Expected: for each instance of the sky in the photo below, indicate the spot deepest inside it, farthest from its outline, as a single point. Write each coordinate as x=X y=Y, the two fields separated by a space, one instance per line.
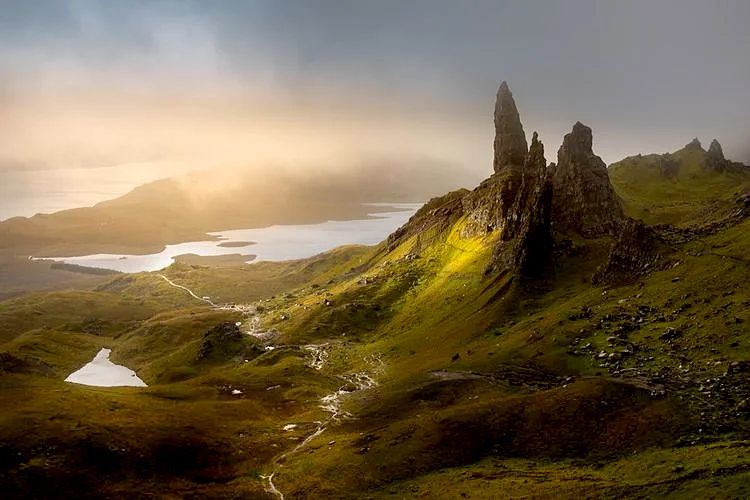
x=164 y=86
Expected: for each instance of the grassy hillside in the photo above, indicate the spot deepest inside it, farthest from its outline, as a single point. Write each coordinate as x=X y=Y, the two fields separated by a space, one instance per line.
x=402 y=369
x=676 y=188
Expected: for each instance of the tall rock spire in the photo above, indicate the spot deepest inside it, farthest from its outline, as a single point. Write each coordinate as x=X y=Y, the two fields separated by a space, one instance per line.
x=510 y=140
x=584 y=200
x=714 y=159
x=526 y=243
x=715 y=151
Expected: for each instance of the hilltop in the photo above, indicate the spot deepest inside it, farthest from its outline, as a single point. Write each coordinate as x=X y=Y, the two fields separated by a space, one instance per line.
x=185 y=208
x=563 y=329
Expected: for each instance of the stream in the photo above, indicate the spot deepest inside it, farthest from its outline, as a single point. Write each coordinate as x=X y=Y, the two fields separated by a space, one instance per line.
x=332 y=404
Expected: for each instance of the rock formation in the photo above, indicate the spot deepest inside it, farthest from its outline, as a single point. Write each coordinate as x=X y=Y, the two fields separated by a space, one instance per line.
x=526 y=242
x=715 y=150
x=510 y=141
x=694 y=145
x=525 y=202
x=583 y=199
x=633 y=254
x=714 y=159
x=487 y=206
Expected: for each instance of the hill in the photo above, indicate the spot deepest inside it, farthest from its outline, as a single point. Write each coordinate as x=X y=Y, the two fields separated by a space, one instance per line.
x=185 y=208
x=528 y=337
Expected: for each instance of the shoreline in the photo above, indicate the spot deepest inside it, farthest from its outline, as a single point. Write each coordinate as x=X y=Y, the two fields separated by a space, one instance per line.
x=71 y=249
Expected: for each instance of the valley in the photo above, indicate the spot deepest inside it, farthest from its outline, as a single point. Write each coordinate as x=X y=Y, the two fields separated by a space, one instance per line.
x=563 y=329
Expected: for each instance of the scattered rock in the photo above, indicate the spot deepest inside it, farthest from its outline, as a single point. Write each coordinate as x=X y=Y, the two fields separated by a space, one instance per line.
x=738 y=367
x=670 y=334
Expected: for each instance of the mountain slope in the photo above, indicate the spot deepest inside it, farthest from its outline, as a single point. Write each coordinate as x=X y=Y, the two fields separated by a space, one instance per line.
x=687 y=187
x=469 y=354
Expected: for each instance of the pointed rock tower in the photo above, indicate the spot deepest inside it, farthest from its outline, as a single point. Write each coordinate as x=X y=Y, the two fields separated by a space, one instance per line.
x=584 y=200
x=510 y=140
x=488 y=206
x=714 y=159
x=694 y=145
x=526 y=243
x=715 y=150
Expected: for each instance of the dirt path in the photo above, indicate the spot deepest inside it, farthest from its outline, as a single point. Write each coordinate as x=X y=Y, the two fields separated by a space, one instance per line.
x=207 y=300
x=332 y=403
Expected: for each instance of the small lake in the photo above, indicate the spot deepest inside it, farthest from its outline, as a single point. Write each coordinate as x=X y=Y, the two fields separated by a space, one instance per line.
x=273 y=243
x=101 y=372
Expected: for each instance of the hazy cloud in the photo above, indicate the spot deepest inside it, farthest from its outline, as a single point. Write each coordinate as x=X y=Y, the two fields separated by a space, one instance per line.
x=191 y=79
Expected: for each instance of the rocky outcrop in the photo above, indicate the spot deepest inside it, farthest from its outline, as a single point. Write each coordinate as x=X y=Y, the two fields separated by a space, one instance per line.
x=510 y=140
x=715 y=151
x=714 y=159
x=633 y=254
x=225 y=341
x=583 y=199
x=694 y=145
x=525 y=203
x=526 y=241
x=488 y=205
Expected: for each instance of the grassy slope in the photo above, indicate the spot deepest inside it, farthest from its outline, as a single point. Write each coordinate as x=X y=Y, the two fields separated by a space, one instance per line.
x=521 y=404
x=689 y=194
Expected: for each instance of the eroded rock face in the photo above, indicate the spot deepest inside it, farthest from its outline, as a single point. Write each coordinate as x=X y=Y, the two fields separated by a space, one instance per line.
x=633 y=255
x=694 y=145
x=715 y=150
x=488 y=205
x=510 y=140
x=583 y=200
x=524 y=202
x=526 y=242
x=714 y=159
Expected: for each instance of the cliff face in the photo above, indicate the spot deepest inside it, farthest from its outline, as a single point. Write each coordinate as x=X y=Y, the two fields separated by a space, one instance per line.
x=583 y=200
x=524 y=201
x=526 y=242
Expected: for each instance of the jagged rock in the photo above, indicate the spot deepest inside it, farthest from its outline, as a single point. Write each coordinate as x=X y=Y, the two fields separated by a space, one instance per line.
x=583 y=200
x=487 y=206
x=633 y=254
x=526 y=241
x=510 y=140
x=694 y=145
x=715 y=150
x=715 y=161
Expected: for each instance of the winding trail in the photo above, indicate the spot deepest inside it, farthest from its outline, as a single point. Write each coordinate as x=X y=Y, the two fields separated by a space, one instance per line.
x=330 y=403
x=207 y=300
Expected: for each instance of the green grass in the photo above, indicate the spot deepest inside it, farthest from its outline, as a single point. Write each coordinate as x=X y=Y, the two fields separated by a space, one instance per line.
x=690 y=194
x=531 y=409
